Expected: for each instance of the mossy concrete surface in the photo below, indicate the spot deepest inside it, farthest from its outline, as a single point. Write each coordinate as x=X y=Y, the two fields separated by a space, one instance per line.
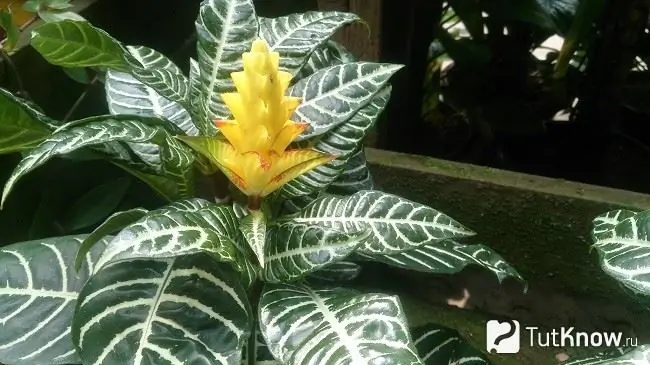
x=540 y=225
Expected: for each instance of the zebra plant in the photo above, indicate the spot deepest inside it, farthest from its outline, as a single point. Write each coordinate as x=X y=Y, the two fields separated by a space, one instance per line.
x=621 y=239
x=264 y=278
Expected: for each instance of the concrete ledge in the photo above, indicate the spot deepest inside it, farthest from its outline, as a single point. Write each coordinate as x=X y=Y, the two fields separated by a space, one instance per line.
x=540 y=225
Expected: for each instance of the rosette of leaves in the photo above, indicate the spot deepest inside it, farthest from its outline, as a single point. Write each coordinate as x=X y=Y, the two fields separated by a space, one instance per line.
x=621 y=239
x=200 y=282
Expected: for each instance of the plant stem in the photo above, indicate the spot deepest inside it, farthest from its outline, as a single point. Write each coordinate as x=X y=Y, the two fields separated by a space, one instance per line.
x=81 y=97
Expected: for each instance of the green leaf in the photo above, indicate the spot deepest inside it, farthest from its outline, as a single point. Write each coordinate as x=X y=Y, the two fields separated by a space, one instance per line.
x=296 y=36
x=112 y=224
x=329 y=54
x=11 y=30
x=38 y=294
x=126 y=95
x=441 y=345
x=96 y=204
x=22 y=127
x=67 y=140
x=253 y=226
x=171 y=233
x=341 y=141
x=337 y=271
x=296 y=250
x=625 y=356
x=355 y=177
x=72 y=43
x=449 y=257
x=165 y=187
x=78 y=74
x=333 y=95
x=158 y=72
x=622 y=241
x=175 y=311
x=50 y=16
x=397 y=224
x=225 y=29
x=304 y=326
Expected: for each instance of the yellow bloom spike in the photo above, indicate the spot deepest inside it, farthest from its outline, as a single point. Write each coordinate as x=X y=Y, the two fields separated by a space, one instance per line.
x=254 y=153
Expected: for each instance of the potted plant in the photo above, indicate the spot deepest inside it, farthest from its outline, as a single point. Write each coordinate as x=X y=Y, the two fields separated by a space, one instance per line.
x=261 y=276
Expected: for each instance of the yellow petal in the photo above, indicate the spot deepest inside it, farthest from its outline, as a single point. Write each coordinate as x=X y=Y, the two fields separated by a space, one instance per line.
x=291 y=103
x=260 y=45
x=289 y=132
x=233 y=133
x=292 y=164
x=221 y=154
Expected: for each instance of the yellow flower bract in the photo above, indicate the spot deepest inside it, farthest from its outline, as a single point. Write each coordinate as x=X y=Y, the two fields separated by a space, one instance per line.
x=254 y=153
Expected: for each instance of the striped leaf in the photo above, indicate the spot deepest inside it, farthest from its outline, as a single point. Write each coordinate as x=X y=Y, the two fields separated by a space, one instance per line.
x=74 y=138
x=626 y=356
x=355 y=177
x=337 y=271
x=126 y=95
x=304 y=326
x=605 y=223
x=225 y=29
x=187 y=205
x=196 y=100
x=328 y=54
x=178 y=162
x=333 y=95
x=341 y=141
x=397 y=224
x=38 y=293
x=448 y=257
x=296 y=250
x=158 y=72
x=296 y=36
x=441 y=345
x=171 y=233
x=74 y=43
x=22 y=126
x=622 y=240
x=262 y=354
x=253 y=226
x=174 y=311
x=112 y=224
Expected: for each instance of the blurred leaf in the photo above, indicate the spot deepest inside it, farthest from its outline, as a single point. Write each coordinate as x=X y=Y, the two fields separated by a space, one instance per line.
x=10 y=28
x=587 y=13
x=57 y=4
x=525 y=11
x=469 y=12
x=97 y=204
x=32 y=6
x=467 y=53
x=562 y=12
x=43 y=224
x=51 y=16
